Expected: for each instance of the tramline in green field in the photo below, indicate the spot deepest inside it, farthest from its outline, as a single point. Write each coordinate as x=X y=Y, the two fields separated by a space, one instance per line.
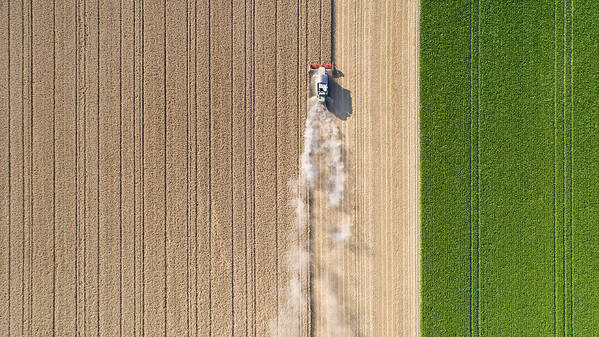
x=509 y=168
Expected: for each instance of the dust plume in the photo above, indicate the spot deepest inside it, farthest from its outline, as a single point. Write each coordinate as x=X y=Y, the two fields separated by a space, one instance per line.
x=322 y=172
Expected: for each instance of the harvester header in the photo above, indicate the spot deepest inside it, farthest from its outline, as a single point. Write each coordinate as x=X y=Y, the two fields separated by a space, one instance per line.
x=318 y=65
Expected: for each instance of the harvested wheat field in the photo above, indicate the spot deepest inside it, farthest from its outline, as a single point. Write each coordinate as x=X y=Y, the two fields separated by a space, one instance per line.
x=152 y=158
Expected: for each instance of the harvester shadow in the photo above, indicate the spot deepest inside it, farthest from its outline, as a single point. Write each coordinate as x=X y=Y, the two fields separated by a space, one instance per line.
x=340 y=102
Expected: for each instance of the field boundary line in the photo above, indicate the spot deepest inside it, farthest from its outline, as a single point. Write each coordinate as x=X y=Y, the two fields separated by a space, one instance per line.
x=9 y=194
x=276 y=175
x=474 y=167
x=245 y=158
x=231 y=148
x=253 y=165
x=571 y=166
x=31 y=157
x=121 y=33
x=209 y=168
x=9 y=185
x=23 y=169
x=98 y=265
x=554 y=172
x=470 y=165
x=564 y=159
x=53 y=165
x=187 y=170
x=165 y=173
x=478 y=168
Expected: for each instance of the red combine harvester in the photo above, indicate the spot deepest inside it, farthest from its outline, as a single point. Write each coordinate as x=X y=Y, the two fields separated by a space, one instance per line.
x=320 y=80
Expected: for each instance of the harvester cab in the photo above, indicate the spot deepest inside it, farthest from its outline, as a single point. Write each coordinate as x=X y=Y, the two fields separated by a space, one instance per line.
x=320 y=74
x=323 y=88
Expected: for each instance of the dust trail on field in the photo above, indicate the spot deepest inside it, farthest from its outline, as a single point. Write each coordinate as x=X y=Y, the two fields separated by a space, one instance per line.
x=321 y=165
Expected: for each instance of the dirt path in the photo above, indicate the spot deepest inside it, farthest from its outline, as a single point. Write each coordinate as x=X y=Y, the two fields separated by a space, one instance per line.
x=146 y=150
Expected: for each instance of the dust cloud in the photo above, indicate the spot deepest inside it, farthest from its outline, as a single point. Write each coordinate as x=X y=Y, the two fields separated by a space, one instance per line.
x=322 y=172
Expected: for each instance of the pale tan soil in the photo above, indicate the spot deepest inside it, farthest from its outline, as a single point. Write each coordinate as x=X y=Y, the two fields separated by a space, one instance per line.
x=145 y=152
x=376 y=47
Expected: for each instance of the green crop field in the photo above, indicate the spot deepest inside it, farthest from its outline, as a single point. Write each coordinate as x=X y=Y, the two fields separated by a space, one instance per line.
x=509 y=114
